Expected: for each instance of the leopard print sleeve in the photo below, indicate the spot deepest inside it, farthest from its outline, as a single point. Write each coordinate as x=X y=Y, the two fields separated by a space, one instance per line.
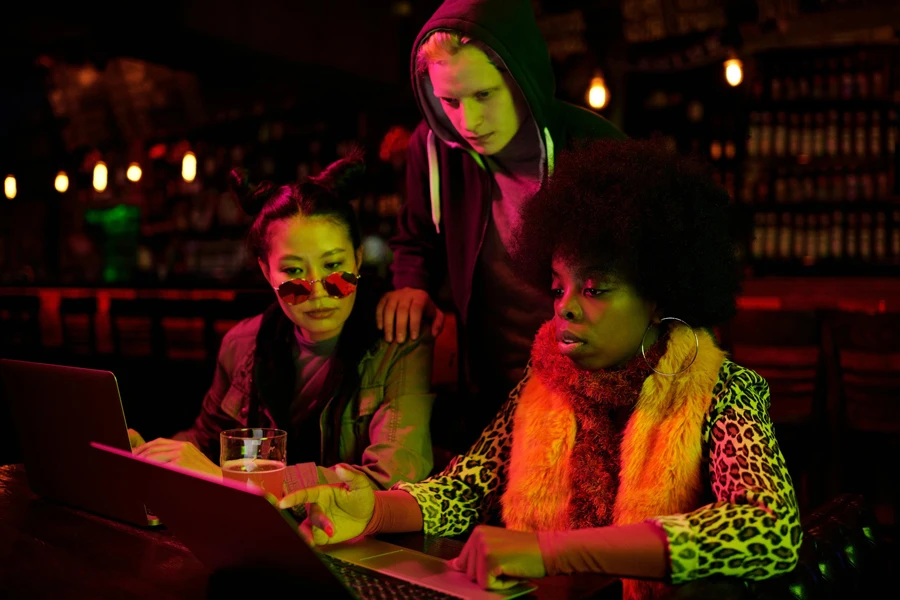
x=753 y=528
x=467 y=492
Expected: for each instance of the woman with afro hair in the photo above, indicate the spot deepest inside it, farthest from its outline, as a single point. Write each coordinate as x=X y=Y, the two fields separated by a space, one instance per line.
x=632 y=446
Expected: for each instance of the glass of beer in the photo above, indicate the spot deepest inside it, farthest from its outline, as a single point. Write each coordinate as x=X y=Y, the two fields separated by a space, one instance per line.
x=256 y=456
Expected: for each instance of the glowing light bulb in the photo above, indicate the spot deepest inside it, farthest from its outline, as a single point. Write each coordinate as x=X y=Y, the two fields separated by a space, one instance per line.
x=598 y=94
x=134 y=172
x=734 y=72
x=101 y=176
x=9 y=186
x=189 y=167
x=61 y=183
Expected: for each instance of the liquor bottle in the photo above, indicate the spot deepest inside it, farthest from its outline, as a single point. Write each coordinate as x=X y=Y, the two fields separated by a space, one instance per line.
x=875 y=135
x=818 y=79
x=867 y=186
x=891 y=142
x=847 y=91
x=780 y=134
x=756 y=90
x=838 y=186
x=753 y=132
x=851 y=190
x=771 y=245
x=851 y=244
x=837 y=235
x=847 y=135
x=806 y=136
x=882 y=186
x=784 y=237
x=795 y=188
x=878 y=91
x=765 y=135
x=794 y=135
x=757 y=246
x=824 y=246
x=831 y=135
x=833 y=82
x=715 y=150
x=781 y=189
x=859 y=135
x=763 y=190
x=799 y=234
x=730 y=150
x=811 y=253
x=748 y=188
x=819 y=136
x=895 y=237
x=729 y=184
x=790 y=85
x=823 y=187
x=775 y=91
x=809 y=189
x=865 y=236
x=803 y=88
x=862 y=76
x=880 y=246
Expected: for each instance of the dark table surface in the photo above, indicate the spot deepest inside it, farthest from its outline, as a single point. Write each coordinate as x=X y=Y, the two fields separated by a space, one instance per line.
x=48 y=550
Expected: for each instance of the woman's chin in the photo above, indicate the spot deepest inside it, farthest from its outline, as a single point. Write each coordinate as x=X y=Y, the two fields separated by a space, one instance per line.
x=319 y=329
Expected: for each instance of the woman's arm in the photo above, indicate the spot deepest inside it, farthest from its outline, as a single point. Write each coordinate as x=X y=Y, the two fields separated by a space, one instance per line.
x=460 y=497
x=751 y=531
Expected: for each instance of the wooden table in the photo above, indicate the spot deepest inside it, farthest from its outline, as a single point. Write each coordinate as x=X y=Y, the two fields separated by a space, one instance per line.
x=52 y=551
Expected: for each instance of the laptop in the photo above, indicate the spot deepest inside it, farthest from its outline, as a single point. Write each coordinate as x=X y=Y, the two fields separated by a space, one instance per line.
x=229 y=526
x=57 y=412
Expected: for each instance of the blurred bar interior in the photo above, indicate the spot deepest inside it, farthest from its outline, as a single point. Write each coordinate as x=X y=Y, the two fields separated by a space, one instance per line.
x=120 y=248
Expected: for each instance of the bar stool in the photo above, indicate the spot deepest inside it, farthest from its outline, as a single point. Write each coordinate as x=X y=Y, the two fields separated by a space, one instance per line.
x=20 y=328
x=78 y=319
x=866 y=353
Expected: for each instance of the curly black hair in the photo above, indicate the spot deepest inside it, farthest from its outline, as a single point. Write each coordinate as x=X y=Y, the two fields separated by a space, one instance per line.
x=644 y=213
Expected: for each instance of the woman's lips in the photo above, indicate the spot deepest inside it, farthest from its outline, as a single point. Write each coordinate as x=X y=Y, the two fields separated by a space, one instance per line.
x=569 y=343
x=322 y=313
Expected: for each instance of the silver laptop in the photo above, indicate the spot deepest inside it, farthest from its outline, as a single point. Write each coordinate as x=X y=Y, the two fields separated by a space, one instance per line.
x=229 y=526
x=57 y=412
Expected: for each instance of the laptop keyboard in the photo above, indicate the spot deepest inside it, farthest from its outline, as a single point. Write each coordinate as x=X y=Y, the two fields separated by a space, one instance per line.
x=371 y=585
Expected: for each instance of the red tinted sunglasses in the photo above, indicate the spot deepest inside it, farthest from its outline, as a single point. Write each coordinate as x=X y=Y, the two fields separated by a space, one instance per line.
x=337 y=285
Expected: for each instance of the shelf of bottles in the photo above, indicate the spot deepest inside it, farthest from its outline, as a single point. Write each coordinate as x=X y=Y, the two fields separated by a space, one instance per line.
x=155 y=227
x=820 y=162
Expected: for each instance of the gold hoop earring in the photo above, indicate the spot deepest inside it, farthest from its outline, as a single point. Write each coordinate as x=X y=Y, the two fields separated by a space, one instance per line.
x=696 y=346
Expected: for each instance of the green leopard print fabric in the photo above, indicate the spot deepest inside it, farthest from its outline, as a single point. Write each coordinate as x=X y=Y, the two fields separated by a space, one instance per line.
x=750 y=528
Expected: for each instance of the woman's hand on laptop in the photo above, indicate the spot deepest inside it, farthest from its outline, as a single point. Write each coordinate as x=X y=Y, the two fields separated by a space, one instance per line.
x=183 y=454
x=497 y=558
x=335 y=512
x=135 y=439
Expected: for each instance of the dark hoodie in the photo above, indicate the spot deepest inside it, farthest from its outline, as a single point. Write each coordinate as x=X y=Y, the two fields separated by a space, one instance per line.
x=451 y=188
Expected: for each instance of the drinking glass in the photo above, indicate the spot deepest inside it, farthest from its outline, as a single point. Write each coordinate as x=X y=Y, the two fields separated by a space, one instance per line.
x=256 y=456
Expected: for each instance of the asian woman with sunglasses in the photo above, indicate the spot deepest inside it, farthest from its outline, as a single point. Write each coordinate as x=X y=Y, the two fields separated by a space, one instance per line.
x=314 y=364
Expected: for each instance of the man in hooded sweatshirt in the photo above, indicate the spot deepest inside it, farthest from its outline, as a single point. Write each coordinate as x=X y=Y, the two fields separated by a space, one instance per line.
x=492 y=125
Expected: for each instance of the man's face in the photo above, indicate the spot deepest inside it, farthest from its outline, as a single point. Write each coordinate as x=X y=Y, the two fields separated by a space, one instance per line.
x=477 y=99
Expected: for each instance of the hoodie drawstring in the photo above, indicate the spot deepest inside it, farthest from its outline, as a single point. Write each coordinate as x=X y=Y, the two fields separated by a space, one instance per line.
x=548 y=144
x=434 y=172
x=434 y=181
